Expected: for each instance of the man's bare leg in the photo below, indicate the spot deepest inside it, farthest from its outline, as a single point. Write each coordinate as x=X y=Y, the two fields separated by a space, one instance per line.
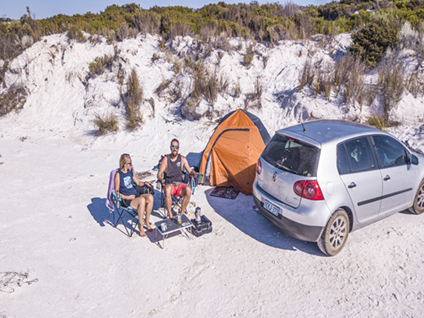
x=168 y=199
x=186 y=195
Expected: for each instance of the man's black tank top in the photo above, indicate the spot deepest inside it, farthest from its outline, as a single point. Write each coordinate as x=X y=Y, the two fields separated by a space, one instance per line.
x=175 y=171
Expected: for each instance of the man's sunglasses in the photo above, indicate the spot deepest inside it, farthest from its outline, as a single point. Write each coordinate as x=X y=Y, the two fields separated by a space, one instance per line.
x=174 y=147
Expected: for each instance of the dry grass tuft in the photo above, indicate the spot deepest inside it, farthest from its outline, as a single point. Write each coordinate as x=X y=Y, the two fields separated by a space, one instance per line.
x=133 y=99
x=378 y=121
x=107 y=124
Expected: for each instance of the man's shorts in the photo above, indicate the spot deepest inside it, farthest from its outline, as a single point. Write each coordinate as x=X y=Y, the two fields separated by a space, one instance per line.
x=176 y=190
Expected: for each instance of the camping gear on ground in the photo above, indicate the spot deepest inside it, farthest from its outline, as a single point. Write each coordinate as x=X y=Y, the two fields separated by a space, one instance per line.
x=202 y=227
x=145 y=189
x=225 y=192
x=198 y=214
x=169 y=226
x=230 y=156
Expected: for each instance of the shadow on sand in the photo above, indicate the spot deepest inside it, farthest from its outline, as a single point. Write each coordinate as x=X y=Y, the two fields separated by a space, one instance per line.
x=240 y=213
x=102 y=216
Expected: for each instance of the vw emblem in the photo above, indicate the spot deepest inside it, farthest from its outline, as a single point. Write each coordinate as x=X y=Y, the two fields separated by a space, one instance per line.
x=274 y=176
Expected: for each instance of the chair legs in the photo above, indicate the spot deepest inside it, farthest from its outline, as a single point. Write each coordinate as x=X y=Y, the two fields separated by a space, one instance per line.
x=120 y=219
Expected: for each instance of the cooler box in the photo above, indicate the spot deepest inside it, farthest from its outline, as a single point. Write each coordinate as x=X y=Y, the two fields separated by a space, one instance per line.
x=202 y=227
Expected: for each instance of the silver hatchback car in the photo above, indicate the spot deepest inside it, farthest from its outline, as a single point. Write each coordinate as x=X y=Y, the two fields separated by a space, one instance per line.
x=320 y=180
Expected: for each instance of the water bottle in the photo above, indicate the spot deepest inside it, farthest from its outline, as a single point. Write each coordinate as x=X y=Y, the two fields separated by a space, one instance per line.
x=118 y=202
x=198 y=214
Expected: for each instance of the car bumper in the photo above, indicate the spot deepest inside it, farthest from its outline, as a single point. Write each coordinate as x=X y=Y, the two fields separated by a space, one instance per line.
x=297 y=230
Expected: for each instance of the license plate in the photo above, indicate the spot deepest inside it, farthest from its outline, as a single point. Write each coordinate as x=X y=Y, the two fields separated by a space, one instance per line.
x=272 y=208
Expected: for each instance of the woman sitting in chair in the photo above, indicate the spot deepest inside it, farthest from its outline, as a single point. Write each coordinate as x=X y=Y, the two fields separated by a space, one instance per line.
x=130 y=188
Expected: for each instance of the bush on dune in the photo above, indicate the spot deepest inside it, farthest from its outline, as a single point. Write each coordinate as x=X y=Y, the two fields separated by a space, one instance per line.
x=12 y=100
x=106 y=124
x=133 y=99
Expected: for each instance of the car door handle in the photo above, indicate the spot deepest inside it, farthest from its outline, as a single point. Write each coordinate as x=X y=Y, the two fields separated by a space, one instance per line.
x=352 y=185
x=386 y=178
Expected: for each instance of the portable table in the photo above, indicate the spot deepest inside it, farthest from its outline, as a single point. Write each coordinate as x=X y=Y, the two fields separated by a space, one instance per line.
x=171 y=227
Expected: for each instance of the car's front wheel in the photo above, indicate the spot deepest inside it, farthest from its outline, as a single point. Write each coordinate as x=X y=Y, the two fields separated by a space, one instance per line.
x=418 y=206
x=335 y=234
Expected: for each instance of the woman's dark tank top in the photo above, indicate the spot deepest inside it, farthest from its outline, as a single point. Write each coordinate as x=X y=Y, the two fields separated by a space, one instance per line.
x=126 y=184
x=174 y=170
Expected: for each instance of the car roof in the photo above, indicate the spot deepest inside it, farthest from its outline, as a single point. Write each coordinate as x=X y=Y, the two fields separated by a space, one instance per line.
x=324 y=131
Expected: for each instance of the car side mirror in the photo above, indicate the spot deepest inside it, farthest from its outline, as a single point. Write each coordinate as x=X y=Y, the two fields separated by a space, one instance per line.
x=414 y=160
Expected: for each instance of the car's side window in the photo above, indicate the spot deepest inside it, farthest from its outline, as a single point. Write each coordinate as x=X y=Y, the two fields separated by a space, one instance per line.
x=342 y=160
x=390 y=152
x=359 y=154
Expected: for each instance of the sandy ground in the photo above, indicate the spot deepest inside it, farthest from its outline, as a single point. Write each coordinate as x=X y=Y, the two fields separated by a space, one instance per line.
x=56 y=229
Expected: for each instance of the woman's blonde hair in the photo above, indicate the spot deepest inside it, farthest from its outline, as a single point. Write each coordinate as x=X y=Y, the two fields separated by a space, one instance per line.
x=123 y=160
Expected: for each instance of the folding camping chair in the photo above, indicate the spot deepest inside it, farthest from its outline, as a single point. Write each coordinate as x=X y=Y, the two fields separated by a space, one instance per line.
x=176 y=200
x=122 y=212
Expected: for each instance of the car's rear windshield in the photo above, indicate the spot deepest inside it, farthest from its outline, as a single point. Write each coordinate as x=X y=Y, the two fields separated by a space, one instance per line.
x=292 y=155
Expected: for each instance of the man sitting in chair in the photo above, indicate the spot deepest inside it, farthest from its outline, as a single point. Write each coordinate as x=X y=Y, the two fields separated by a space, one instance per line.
x=172 y=166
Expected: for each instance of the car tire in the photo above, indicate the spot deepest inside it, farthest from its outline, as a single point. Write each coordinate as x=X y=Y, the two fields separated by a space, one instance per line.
x=335 y=233
x=418 y=206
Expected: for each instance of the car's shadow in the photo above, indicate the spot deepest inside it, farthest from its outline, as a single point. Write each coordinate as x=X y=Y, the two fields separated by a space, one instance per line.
x=240 y=212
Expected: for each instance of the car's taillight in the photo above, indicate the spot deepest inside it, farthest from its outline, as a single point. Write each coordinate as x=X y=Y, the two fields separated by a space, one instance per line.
x=308 y=189
x=259 y=166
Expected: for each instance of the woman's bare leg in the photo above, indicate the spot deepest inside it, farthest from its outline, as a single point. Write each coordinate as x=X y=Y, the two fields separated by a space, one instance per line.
x=149 y=207
x=139 y=204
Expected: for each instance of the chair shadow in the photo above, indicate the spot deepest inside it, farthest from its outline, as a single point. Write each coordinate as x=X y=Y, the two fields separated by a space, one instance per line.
x=100 y=212
x=240 y=213
x=102 y=216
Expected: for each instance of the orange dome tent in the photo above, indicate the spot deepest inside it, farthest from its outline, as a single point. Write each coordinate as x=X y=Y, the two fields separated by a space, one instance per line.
x=230 y=156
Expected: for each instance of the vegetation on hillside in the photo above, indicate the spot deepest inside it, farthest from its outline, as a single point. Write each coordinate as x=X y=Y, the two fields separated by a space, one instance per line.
x=380 y=30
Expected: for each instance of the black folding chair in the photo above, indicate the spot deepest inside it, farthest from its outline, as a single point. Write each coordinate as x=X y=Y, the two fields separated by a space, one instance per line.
x=122 y=212
x=176 y=200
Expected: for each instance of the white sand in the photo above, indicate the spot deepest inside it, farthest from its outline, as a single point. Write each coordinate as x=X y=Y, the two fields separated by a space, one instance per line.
x=61 y=257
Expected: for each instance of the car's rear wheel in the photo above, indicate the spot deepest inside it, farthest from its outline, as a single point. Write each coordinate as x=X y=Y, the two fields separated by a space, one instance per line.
x=335 y=234
x=418 y=206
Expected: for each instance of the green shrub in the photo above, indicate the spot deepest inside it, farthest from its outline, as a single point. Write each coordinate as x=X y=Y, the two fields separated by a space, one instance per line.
x=100 y=64
x=74 y=33
x=248 y=58
x=374 y=38
x=106 y=124
x=12 y=100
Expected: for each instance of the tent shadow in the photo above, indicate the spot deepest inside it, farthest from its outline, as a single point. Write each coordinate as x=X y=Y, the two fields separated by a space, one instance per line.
x=193 y=158
x=240 y=213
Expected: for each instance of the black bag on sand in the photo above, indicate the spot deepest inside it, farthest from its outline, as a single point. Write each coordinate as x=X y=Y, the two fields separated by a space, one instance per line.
x=202 y=227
